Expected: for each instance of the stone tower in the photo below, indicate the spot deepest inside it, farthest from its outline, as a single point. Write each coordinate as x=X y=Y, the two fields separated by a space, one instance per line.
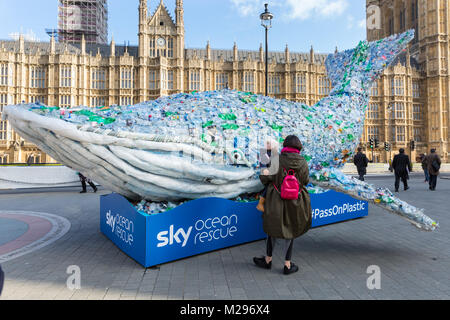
x=430 y=20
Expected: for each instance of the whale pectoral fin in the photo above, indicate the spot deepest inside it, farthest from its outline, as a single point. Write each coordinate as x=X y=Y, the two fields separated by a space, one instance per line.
x=336 y=180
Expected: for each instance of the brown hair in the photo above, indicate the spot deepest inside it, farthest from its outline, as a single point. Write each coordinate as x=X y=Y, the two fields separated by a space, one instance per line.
x=293 y=142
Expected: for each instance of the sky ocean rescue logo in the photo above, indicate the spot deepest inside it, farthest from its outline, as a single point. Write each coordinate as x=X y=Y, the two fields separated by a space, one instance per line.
x=207 y=230
x=122 y=227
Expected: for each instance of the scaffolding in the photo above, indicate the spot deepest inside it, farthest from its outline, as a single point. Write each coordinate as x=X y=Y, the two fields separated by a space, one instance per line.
x=83 y=17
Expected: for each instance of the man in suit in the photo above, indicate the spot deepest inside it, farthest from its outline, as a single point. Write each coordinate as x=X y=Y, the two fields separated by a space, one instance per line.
x=360 y=161
x=434 y=165
x=401 y=166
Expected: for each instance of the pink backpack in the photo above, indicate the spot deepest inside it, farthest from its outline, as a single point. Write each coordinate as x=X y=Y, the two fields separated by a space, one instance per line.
x=290 y=186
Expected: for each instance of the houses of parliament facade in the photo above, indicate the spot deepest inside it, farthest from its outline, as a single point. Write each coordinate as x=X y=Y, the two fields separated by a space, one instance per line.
x=409 y=103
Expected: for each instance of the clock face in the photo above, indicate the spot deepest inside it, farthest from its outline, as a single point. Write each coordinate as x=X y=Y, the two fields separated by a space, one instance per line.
x=161 y=42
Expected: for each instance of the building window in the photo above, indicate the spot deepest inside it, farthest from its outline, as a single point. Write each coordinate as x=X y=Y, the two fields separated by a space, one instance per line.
x=417 y=112
x=248 y=81
x=3 y=101
x=373 y=132
x=126 y=101
x=221 y=81
x=418 y=135
x=324 y=86
x=152 y=47
x=170 y=80
x=170 y=48
x=65 y=77
x=398 y=134
x=402 y=20
x=3 y=158
x=126 y=78
x=299 y=83
x=40 y=99
x=374 y=89
x=4 y=74
x=399 y=110
x=391 y=26
x=373 y=111
x=3 y=130
x=34 y=158
x=274 y=84
x=98 y=101
x=153 y=80
x=37 y=77
x=65 y=101
x=416 y=89
x=194 y=80
x=397 y=87
x=98 y=79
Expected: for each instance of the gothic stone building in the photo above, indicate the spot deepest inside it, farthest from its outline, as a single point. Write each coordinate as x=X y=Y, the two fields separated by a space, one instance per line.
x=69 y=75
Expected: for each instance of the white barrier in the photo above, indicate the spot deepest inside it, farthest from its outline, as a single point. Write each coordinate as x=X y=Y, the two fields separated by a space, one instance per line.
x=24 y=177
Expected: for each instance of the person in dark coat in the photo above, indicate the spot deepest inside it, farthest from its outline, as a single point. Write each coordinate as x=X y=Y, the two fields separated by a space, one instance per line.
x=423 y=161
x=2 y=280
x=83 y=180
x=360 y=161
x=286 y=219
x=401 y=166
x=434 y=165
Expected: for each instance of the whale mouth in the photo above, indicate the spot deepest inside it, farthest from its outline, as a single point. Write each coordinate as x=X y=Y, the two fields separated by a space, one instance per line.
x=136 y=165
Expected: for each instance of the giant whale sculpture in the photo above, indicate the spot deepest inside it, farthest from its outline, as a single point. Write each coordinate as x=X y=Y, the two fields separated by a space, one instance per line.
x=189 y=146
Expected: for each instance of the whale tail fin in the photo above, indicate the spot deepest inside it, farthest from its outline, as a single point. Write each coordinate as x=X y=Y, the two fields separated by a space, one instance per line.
x=368 y=60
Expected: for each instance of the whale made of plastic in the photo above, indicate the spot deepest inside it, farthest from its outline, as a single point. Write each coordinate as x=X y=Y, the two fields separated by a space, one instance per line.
x=211 y=144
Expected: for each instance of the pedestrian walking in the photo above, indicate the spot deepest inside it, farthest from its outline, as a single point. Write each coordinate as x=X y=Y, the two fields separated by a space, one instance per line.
x=434 y=165
x=401 y=166
x=424 y=162
x=83 y=180
x=287 y=209
x=360 y=160
x=2 y=279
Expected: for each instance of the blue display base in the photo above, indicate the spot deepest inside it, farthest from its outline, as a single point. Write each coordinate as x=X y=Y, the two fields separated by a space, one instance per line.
x=203 y=225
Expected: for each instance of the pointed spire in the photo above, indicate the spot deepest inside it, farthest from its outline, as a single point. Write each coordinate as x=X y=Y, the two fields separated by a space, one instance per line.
x=208 y=51
x=179 y=13
x=287 y=54
x=21 y=43
x=52 y=45
x=113 y=47
x=143 y=11
x=261 y=53
x=235 y=52
x=83 y=45
x=311 y=55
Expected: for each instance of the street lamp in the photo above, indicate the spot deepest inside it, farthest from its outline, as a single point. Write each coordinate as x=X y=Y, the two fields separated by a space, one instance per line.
x=266 y=21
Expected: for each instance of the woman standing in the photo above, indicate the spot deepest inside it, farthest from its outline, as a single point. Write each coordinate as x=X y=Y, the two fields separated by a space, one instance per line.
x=286 y=219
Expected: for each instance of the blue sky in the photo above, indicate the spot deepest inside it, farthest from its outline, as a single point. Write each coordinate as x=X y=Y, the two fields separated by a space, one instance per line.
x=324 y=24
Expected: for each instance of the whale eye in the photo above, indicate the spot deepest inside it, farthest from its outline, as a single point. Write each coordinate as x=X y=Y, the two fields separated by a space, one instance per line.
x=237 y=157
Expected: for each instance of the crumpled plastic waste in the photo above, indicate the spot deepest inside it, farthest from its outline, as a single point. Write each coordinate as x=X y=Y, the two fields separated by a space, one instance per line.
x=209 y=144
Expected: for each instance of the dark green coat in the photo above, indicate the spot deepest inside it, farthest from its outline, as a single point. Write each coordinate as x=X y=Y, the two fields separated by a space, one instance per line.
x=287 y=219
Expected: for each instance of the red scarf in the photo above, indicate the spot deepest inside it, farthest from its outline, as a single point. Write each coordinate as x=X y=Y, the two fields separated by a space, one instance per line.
x=290 y=150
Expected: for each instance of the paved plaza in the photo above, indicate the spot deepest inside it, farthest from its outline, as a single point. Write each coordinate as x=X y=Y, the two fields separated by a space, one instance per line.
x=333 y=260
